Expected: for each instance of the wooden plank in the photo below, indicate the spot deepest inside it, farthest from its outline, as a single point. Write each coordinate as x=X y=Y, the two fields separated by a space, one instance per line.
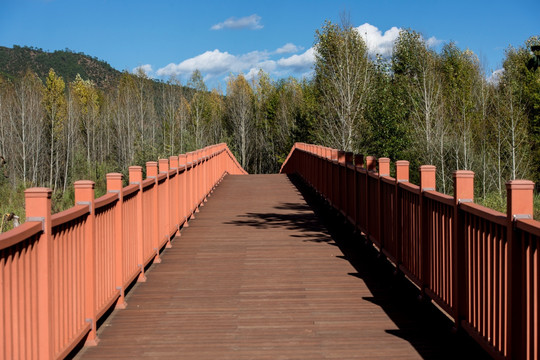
x=257 y=275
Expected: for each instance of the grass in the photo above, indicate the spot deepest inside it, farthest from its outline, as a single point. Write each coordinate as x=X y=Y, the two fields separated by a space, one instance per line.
x=12 y=200
x=497 y=202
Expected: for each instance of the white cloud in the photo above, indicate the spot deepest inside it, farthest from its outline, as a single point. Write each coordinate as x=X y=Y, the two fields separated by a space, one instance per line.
x=218 y=64
x=252 y=73
x=215 y=63
x=432 y=41
x=147 y=69
x=495 y=76
x=383 y=44
x=268 y=66
x=299 y=63
x=288 y=48
x=376 y=41
x=248 y=22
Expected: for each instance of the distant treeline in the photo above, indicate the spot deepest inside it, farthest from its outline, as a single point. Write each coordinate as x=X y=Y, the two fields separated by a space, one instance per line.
x=16 y=61
x=424 y=106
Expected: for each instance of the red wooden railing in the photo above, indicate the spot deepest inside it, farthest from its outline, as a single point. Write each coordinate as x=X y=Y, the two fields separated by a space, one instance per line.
x=480 y=266
x=60 y=273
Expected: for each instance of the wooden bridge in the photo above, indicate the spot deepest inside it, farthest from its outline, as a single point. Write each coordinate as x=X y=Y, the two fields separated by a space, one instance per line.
x=326 y=260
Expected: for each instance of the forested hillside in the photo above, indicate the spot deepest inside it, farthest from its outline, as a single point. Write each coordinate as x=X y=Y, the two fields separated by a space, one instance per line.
x=14 y=62
x=421 y=105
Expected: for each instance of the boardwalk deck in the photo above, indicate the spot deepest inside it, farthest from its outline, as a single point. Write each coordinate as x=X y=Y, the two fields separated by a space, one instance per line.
x=259 y=275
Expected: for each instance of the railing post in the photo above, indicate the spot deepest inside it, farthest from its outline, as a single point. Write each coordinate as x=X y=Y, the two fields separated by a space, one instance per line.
x=519 y=205
x=114 y=185
x=370 y=163
x=173 y=188
x=197 y=180
x=164 y=169
x=182 y=197
x=359 y=160
x=370 y=167
x=359 y=193
x=350 y=189
x=334 y=177
x=384 y=170
x=402 y=171
x=427 y=178
x=38 y=208
x=84 y=195
x=189 y=188
x=342 y=183
x=402 y=175
x=463 y=192
x=202 y=181
x=384 y=167
x=427 y=183
x=136 y=178
x=323 y=161
x=207 y=173
x=316 y=169
x=152 y=173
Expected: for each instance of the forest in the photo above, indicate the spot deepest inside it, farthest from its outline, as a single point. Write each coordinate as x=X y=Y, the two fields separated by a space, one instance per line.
x=422 y=105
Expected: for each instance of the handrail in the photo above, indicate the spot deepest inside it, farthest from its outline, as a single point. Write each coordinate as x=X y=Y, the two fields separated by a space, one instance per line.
x=20 y=233
x=104 y=245
x=105 y=200
x=530 y=226
x=484 y=213
x=128 y=190
x=475 y=263
x=68 y=215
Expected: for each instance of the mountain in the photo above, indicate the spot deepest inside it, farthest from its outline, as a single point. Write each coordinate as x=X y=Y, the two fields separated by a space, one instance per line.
x=15 y=61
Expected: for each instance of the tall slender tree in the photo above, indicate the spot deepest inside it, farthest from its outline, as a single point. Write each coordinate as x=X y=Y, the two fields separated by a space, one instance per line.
x=240 y=110
x=343 y=74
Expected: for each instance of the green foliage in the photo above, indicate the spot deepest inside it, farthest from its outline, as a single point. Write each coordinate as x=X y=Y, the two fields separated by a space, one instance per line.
x=524 y=84
x=496 y=201
x=342 y=77
x=66 y=63
x=493 y=200
x=387 y=134
x=12 y=201
x=421 y=105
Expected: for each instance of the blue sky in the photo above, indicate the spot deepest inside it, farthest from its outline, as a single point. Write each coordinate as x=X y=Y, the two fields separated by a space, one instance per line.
x=167 y=37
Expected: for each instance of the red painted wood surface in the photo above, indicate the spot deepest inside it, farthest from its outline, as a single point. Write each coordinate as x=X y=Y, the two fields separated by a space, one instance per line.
x=257 y=275
x=479 y=266
x=59 y=274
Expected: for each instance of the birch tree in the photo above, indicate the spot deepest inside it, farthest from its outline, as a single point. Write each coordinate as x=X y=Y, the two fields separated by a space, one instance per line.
x=240 y=112
x=342 y=75
x=199 y=109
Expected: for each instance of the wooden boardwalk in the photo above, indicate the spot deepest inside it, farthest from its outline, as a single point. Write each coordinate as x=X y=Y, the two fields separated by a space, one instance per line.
x=261 y=273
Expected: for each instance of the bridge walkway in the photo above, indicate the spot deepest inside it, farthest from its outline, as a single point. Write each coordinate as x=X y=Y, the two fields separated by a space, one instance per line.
x=266 y=272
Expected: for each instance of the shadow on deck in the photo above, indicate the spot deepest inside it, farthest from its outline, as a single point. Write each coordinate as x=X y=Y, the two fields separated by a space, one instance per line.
x=420 y=323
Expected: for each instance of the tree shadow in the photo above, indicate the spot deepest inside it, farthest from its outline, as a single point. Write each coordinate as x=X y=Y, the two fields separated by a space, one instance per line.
x=420 y=323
